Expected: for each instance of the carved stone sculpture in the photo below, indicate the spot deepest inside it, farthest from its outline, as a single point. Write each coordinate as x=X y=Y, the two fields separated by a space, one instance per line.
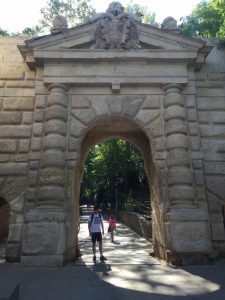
x=115 y=29
x=59 y=23
x=169 y=23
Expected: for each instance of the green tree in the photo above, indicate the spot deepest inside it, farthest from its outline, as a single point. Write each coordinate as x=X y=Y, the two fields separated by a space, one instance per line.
x=3 y=32
x=31 y=31
x=109 y=163
x=75 y=11
x=206 y=20
x=142 y=12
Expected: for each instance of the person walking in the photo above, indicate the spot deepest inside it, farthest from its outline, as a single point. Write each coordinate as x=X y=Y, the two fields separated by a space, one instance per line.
x=112 y=226
x=96 y=230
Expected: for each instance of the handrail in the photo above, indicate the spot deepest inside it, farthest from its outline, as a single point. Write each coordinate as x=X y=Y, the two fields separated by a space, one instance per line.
x=143 y=209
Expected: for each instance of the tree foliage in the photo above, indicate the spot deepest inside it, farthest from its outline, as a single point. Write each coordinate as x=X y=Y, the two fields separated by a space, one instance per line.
x=111 y=163
x=146 y=16
x=3 y=32
x=206 y=20
x=75 y=11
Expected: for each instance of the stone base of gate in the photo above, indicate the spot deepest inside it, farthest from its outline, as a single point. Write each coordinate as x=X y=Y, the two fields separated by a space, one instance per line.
x=188 y=237
x=44 y=238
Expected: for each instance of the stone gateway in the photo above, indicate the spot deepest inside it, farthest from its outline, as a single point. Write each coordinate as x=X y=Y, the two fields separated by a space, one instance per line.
x=112 y=77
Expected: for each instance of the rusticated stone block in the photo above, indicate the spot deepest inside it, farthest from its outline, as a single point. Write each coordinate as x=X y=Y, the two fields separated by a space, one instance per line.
x=203 y=116
x=52 y=176
x=131 y=105
x=204 y=103
x=40 y=101
x=193 y=128
x=218 y=116
x=212 y=131
x=34 y=165
x=54 y=141
x=8 y=146
x=179 y=175
x=76 y=128
x=158 y=143
x=146 y=116
x=10 y=117
x=39 y=115
x=18 y=103
x=215 y=168
x=115 y=105
x=30 y=195
x=178 y=157
x=8 y=131
x=57 y=99
x=193 y=237
x=85 y=115
x=13 y=168
x=4 y=157
x=53 y=158
x=32 y=178
x=15 y=232
x=99 y=104
x=195 y=143
x=216 y=184
x=175 y=126
x=28 y=117
x=199 y=177
x=56 y=112
x=192 y=115
x=52 y=193
x=181 y=194
x=74 y=144
x=56 y=126
x=174 y=112
x=218 y=232
x=156 y=128
x=152 y=102
x=177 y=141
x=36 y=144
x=37 y=129
x=24 y=146
x=45 y=236
x=173 y=98
x=190 y=101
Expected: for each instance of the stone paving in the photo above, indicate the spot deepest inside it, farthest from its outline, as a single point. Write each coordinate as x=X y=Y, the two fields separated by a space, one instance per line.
x=129 y=273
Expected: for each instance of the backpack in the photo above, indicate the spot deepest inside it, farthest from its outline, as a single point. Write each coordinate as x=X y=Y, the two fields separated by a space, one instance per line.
x=92 y=216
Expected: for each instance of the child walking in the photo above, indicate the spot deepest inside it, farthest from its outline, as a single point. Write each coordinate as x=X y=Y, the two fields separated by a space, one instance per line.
x=112 y=227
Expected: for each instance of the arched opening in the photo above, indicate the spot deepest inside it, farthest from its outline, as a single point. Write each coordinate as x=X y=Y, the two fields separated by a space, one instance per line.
x=4 y=226
x=127 y=130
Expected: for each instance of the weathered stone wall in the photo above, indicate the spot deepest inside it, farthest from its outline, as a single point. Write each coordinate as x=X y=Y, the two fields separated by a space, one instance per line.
x=136 y=222
x=16 y=119
x=210 y=89
x=44 y=128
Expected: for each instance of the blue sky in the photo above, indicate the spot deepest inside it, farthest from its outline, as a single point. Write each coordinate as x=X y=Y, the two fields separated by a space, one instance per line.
x=15 y=15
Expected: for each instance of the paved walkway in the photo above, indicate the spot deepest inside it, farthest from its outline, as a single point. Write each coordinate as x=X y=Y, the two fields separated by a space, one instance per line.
x=129 y=273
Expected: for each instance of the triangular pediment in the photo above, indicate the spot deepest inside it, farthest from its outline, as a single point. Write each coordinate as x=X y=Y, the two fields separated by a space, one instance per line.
x=82 y=37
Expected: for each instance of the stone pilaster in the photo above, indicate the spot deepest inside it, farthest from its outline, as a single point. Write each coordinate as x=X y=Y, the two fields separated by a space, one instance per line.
x=45 y=230
x=180 y=189
x=52 y=190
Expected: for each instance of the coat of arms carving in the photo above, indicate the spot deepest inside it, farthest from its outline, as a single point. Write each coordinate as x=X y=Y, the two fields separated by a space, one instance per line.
x=115 y=29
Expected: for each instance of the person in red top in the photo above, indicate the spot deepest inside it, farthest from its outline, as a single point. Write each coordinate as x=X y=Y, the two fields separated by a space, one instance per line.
x=112 y=227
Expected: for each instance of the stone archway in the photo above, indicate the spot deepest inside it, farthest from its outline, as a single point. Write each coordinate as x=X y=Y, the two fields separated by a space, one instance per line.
x=126 y=129
x=135 y=86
